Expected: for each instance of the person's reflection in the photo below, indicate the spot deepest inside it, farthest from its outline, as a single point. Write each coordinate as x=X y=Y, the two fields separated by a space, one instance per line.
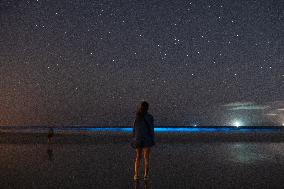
x=146 y=184
x=136 y=184
x=50 y=153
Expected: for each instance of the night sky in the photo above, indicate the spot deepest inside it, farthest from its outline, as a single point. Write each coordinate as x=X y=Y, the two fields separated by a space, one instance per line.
x=87 y=62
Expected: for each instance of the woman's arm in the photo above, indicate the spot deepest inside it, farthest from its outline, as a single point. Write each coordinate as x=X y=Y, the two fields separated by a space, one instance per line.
x=151 y=123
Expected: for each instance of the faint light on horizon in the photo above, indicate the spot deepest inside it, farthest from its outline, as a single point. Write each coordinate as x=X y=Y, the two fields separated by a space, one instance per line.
x=195 y=124
x=272 y=114
x=237 y=123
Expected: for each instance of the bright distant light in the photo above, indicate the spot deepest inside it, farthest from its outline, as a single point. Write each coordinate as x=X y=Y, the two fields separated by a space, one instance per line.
x=237 y=124
x=194 y=124
x=282 y=124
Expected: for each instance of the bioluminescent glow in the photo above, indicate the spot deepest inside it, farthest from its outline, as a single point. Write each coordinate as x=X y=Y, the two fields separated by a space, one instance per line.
x=178 y=129
x=98 y=129
x=113 y=130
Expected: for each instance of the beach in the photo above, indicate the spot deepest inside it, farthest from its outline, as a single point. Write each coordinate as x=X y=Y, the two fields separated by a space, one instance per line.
x=179 y=160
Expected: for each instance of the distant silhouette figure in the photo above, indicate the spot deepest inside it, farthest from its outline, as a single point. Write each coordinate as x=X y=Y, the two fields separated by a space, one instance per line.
x=50 y=135
x=143 y=138
x=49 y=152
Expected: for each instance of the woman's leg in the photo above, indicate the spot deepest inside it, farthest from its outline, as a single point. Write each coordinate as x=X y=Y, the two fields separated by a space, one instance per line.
x=146 y=152
x=137 y=161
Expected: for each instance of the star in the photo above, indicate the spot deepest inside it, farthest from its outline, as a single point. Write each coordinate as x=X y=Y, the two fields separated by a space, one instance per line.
x=119 y=53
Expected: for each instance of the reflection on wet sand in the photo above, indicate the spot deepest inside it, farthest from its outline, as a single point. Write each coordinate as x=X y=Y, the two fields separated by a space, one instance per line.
x=250 y=153
x=137 y=184
x=74 y=163
x=49 y=152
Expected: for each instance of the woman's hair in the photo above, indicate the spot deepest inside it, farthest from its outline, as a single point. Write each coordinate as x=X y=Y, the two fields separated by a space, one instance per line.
x=142 y=110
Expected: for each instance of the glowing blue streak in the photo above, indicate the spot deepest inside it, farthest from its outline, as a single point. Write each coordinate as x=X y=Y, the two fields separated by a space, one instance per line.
x=177 y=130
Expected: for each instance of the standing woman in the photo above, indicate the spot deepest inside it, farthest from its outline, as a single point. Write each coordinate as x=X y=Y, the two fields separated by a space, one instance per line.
x=50 y=135
x=143 y=138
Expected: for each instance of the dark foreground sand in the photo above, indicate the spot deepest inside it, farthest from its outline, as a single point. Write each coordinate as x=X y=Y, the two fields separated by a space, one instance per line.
x=105 y=160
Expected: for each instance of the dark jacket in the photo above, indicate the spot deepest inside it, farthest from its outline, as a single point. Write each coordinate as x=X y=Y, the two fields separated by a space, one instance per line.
x=143 y=130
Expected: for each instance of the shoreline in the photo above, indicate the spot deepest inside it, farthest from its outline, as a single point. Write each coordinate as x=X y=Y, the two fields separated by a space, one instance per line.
x=122 y=137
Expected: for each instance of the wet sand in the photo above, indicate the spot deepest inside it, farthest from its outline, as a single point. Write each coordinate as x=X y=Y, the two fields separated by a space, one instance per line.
x=105 y=160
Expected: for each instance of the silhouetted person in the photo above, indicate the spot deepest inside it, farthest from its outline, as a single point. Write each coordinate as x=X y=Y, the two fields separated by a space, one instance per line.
x=50 y=135
x=143 y=138
x=50 y=154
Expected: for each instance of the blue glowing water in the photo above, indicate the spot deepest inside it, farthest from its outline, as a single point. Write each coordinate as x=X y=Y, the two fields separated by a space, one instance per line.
x=181 y=129
x=157 y=129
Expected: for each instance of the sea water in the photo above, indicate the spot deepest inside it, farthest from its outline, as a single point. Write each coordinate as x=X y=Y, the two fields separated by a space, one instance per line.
x=78 y=129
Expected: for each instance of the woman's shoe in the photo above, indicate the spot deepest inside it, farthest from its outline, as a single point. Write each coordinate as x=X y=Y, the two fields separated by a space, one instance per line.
x=136 y=178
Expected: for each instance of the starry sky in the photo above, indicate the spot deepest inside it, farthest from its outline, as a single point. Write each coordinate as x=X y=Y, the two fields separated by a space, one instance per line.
x=87 y=62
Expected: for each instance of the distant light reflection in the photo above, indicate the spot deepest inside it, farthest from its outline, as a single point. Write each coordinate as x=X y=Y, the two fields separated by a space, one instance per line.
x=249 y=153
